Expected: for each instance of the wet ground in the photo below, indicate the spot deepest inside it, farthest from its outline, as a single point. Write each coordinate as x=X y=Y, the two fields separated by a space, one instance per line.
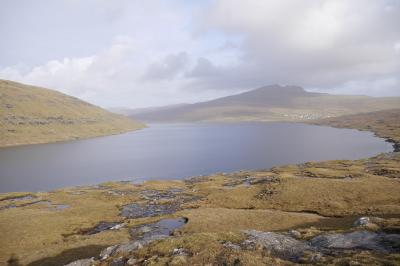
x=157 y=230
x=23 y=201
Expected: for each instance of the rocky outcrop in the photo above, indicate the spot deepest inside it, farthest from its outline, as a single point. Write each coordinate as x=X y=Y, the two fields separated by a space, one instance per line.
x=365 y=240
x=83 y=262
x=141 y=235
x=279 y=245
x=289 y=248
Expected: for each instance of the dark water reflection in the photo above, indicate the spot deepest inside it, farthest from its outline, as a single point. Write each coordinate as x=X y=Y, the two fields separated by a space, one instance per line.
x=171 y=151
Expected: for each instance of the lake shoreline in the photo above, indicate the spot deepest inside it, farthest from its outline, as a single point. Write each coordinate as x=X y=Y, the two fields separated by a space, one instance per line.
x=177 y=151
x=244 y=216
x=142 y=126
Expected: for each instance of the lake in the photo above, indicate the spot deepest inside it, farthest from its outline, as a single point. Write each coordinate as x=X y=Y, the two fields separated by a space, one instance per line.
x=174 y=151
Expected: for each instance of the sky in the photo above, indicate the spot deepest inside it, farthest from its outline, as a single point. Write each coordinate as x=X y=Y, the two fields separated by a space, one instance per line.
x=129 y=53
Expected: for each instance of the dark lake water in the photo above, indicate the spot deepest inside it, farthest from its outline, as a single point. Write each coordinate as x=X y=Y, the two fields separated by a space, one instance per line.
x=173 y=151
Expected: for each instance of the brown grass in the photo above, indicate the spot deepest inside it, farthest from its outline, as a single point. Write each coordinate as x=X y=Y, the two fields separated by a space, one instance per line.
x=385 y=124
x=31 y=115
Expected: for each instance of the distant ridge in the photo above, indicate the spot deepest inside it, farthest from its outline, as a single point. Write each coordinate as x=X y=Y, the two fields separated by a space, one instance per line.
x=271 y=103
x=273 y=95
x=31 y=115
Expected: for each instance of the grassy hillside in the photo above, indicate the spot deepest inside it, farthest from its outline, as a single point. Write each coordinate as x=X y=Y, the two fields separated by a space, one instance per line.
x=385 y=123
x=272 y=103
x=31 y=115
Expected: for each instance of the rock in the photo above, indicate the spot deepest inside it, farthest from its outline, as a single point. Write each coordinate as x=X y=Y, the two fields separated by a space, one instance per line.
x=135 y=210
x=122 y=249
x=143 y=235
x=118 y=262
x=102 y=226
x=231 y=246
x=289 y=248
x=129 y=247
x=132 y=261
x=367 y=223
x=357 y=240
x=180 y=252
x=391 y=242
x=144 y=229
x=160 y=194
x=174 y=197
x=295 y=233
x=362 y=221
x=107 y=252
x=83 y=262
x=249 y=244
x=157 y=195
x=117 y=227
x=280 y=245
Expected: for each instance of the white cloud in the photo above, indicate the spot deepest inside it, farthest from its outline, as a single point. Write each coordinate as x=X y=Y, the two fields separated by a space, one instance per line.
x=135 y=53
x=321 y=44
x=168 y=68
x=396 y=47
x=388 y=86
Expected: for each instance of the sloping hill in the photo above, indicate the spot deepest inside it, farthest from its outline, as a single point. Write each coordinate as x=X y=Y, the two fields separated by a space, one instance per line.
x=30 y=114
x=272 y=103
x=385 y=124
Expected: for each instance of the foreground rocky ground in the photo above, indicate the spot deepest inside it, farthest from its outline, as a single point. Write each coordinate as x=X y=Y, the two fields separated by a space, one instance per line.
x=332 y=212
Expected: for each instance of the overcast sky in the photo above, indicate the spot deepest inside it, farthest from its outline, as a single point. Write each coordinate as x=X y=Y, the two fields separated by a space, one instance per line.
x=127 y=53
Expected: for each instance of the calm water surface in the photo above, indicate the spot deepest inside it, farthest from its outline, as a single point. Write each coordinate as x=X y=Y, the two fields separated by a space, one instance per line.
x=172 y=151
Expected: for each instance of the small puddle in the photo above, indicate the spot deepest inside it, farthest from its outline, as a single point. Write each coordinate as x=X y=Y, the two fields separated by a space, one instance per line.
x=140 y=210
x=77 y=192
x=48 y=204
x=248 y=181
x=158 y=230
x=13 y=200
x=61 y=206
x=52 y=206
x=21 y=198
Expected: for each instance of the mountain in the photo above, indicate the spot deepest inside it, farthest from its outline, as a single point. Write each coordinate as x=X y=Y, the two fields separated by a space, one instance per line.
x=272 y=103
x=137 y=111
x=32 y=115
